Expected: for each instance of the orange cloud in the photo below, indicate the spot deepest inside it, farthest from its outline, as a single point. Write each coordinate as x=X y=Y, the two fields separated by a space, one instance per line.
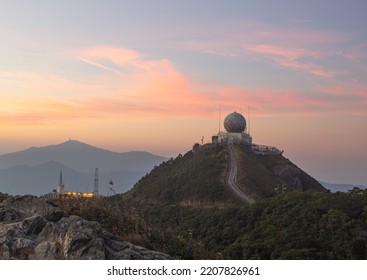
x=145 y=89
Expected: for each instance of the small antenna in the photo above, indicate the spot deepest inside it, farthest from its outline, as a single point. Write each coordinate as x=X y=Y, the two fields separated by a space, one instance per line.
x=220 y=116
x=249 y=120
x=202 y=140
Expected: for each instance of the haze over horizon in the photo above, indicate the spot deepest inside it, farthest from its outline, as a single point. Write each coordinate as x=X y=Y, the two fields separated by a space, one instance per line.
x=151 y=75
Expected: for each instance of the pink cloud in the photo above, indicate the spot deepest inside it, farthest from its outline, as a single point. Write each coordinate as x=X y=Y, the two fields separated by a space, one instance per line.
x=184 y=103
x=298 y=46
x=289 y=53
x=229 y=37
x=290 y=58
x=156 y=89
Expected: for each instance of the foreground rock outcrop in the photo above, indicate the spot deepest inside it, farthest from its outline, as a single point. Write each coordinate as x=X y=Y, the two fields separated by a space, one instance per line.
x=31 y=228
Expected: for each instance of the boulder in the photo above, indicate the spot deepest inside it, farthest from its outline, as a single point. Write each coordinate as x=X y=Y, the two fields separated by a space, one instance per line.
x=30 y=205
x=33 y=225
x=31 y=228
x=9 y=215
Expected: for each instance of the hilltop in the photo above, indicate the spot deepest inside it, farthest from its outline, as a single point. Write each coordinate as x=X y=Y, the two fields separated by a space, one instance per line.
x=201 y=178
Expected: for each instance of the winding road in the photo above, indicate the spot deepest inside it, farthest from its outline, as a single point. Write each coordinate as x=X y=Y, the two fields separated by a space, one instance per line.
x=232 y=176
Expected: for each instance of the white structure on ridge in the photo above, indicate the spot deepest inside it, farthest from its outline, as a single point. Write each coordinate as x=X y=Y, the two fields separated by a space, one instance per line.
x=61 y=186
x=236 y=132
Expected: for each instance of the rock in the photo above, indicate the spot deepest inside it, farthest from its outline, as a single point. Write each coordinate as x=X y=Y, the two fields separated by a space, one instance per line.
x=30 y=205
x=31 y=228
x=51 y=232
x=14 y=243
x=9 y=215
x=290 y=174
x=45 y=251
x=143 y=254
x=33 y=225
x=286 y=170
x=3 y=196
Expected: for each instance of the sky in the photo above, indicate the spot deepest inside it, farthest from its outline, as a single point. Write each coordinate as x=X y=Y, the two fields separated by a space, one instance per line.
x=158 y=75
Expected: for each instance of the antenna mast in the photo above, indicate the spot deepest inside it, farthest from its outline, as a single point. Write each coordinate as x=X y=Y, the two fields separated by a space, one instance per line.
x=95 y=190
x=249 y=119
x=220 y=116
x=60 y=179
x=60 y=188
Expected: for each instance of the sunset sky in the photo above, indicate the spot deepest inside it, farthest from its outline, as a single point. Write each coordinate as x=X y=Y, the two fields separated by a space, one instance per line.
x=151 y=75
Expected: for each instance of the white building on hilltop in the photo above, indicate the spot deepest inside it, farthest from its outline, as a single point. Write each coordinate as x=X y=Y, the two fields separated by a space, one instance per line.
x=236 y=132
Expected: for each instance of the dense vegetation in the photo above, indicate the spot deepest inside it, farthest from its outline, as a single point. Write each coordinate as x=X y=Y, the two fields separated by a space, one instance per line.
x=191 y=179
x=260 y=174
x=183 y=208
x=296 y=225
x=199 y=178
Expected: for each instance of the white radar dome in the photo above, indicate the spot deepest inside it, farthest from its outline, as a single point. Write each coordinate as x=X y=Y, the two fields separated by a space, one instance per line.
x=235 y=122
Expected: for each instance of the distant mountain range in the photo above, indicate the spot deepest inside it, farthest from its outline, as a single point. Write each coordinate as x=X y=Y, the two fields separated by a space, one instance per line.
x=341 y=187
x=36 y=170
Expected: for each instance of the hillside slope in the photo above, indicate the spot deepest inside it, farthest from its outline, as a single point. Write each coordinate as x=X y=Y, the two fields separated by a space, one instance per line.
x=199 y=178
x=264 y=175
x=194 y=178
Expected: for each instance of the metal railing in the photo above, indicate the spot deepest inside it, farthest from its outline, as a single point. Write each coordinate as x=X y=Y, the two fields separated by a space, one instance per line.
x=263 y=149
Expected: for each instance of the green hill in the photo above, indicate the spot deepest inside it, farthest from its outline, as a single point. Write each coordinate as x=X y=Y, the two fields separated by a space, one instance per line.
x=189 y=179
x=185 y=208
x=200 y=178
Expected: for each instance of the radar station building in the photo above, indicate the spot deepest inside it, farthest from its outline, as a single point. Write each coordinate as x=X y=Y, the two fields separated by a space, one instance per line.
x=236 y=131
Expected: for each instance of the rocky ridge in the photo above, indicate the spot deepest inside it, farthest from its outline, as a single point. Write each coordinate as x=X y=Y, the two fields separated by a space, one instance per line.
x=31 y=228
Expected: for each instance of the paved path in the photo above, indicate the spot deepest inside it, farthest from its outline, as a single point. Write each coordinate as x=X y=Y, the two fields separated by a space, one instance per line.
x=232 y=176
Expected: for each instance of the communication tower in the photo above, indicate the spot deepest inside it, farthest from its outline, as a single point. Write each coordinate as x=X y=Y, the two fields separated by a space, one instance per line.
x=61 y=187
x=95 y=189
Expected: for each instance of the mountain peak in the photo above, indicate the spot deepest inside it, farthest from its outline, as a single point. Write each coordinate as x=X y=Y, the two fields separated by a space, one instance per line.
x=71 y=142
x=74 y=144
